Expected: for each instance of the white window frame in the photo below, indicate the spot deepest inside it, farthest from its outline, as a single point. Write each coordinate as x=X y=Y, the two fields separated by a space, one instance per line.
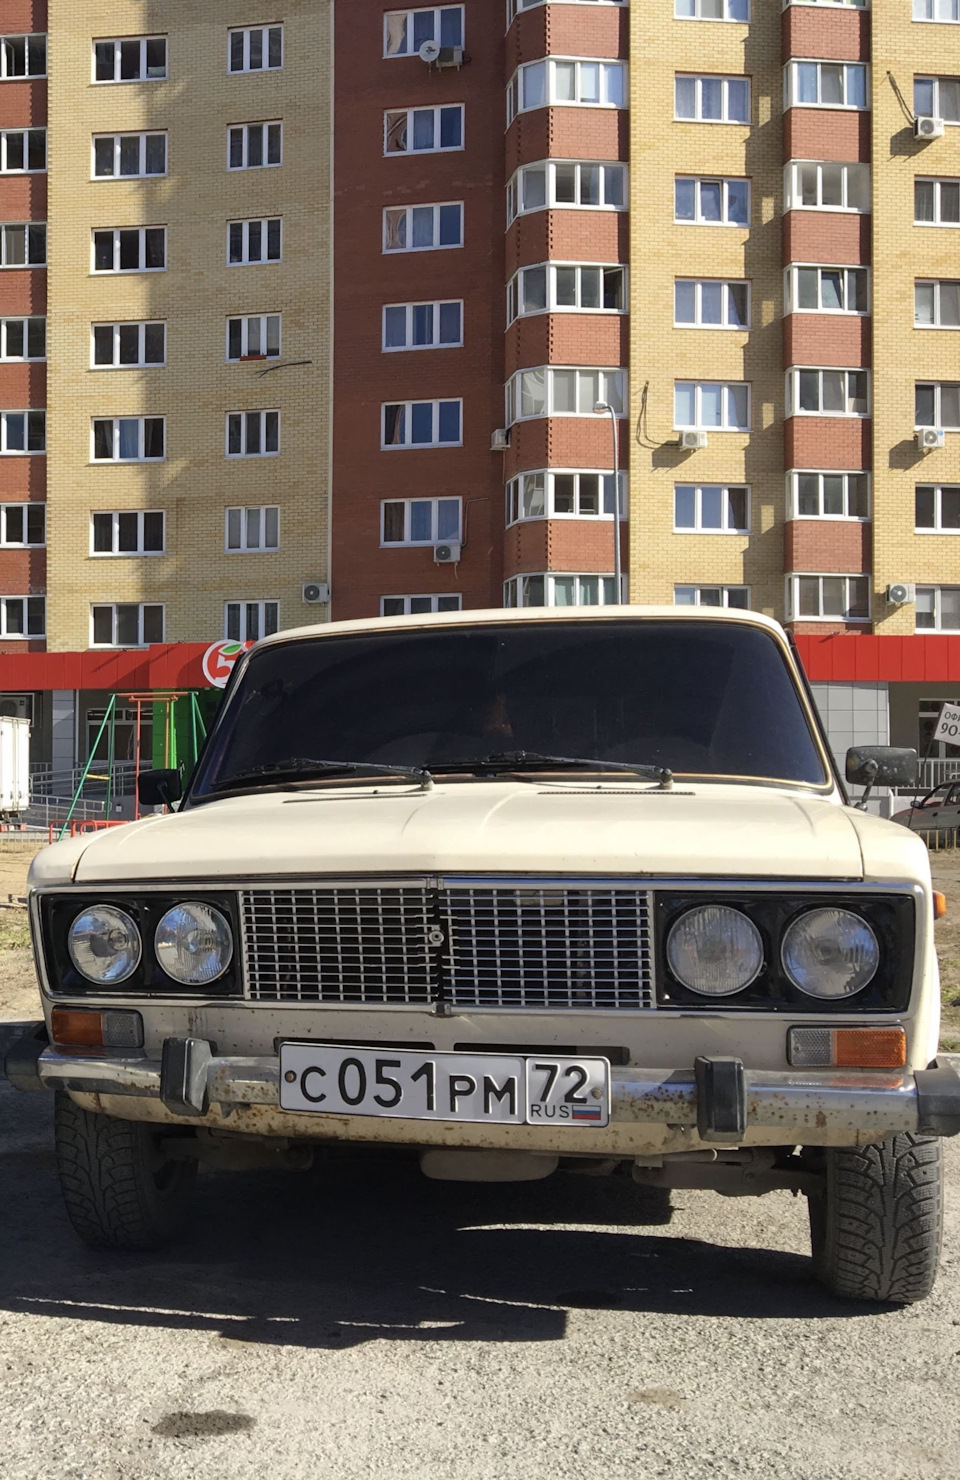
x=262 y=604
x=394 y=118
x=725 y=593
x=407 y=14
x=938 y=421
x=516 y=186
x=246 y=32
x=516 y=7
x=31 y=231
x=726 y=526
x=791 y=84
x=792 y=405
x=452 y=602
x=724 y=181
x=551 y=270
x=606 y=66
x=140 y=363
x=728 y=390
x=6 y=543
x=725 y=284
x=121 y=41
x=26 y=320
x=25 y=603
x=244 y=129
x=141 y=174
x=26 y=37
x=245 y=320
x=436 y=343
x=245 y=223
x=245 y=546
x=793 y=494
x=725 y=79
x=934 y=83
x=22 y=133
x=141 y=440
x=933 y=5
x=513 y=589
x=937 y=181
x=694 y=11
x=831 y=4
x=96 y=271
x=936 y=284
x=38 y=418
x=244 y=425
x=436 y=207
x=407 y=445
x=115 y=553
x=612 y=388
x=793 y=596
x=936 y=593
x=937 y=527
x=434 y=537
x=516 y=492
x=791 y=293
x=793 y=193
x=113 y=607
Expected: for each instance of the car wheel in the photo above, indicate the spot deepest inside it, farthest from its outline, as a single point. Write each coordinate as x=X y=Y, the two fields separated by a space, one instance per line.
x=876 y=1226
x=120 y=1190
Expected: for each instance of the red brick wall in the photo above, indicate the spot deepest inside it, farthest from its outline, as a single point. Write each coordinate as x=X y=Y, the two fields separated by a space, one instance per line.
x=826 y=339
x=567 y=132
x=826 y=236
x=567 y=339
x=834 y=35
x=827 y=442
x=824 y=545
x=826 y=133
x=562 y=30
x=565 y=442
x=568 y=235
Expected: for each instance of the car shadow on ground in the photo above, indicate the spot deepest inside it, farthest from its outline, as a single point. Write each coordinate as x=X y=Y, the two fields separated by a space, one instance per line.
x=365 y=1248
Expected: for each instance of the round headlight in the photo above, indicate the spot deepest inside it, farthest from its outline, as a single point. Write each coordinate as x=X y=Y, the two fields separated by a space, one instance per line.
x=830 y=953
x=104 y=944
x=715 y=950
x=194 y=943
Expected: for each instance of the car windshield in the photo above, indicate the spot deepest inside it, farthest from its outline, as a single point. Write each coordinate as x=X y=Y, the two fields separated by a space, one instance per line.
x=702 y=698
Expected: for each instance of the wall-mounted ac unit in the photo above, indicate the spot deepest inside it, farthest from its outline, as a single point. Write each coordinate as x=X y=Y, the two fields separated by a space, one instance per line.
x=928 y=128
x=316 y=593
x=930 y=437
x=447 y=554
x=500 y=439
x=901 y=593
x=436 y=55
x=689 y=440
x=16 y=706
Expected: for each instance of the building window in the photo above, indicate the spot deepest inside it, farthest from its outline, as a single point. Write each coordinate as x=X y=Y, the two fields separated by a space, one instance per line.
x=422 y=228
x=126 y=624
x=820 y=185
x=937 y=404
x=712 y=10
x=936 y=202
x=130 y=249
x=409 y=606
x=828 y=495
x=23 y=616
x=707 y=304
x=559 y=590
x=555 y=183
x=562 y=495
x=23 y=244
x=23 y=151
x=254 y=338
x=127 y=156
x=827 y=290
x=734 y=596
x=711 y=508
x=711 y=202
x=564 y=288
x=405 y=31
x=708 y=99
x=825 y=85
x=828 y=393
x=936 y=305
x=127 y=346
x=828 y=598
x=23 y=56
x=127 y=532
x=253 y=529
x=248 y=621
x=936 y=10
x=254 y=146
x=254 y=241
x=937 y=509
x=421 y=424
x=253 y=433
x=130 y=59
x=554 y=392
x=422 y=325
x=22 y=432
x=419 y=521
x=561 y=82
x=423 y=130
x=937 y=97
x=255 y=49
x=23 y=525
x=515 y=6
x=711 y=405
x=938 y=609
x=128 y=439
x=831 y=4
x=23 y=339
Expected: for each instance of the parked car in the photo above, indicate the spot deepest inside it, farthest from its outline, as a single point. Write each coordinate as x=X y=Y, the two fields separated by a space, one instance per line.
x=938 y=811
x=516 y=890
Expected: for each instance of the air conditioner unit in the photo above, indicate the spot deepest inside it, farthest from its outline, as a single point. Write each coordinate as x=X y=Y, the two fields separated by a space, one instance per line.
x=693 y=439
x=316 y=593
x=436 y=55
x=930 y=437
x=448 y=554
x=901 y=593
x=500 y=440
x=16 y=706
x=928 y=128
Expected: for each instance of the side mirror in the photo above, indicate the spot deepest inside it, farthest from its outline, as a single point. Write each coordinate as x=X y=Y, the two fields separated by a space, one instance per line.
x=881 y=765
x=159 y=788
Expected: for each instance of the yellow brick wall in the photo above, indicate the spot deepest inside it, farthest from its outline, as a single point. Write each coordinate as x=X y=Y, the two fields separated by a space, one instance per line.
x=194 y=296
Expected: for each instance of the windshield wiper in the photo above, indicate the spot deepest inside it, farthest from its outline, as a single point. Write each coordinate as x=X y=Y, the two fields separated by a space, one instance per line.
x=300 y=768
x=533 y=760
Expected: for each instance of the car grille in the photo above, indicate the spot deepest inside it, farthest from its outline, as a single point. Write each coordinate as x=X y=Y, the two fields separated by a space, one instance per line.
x=505 y=945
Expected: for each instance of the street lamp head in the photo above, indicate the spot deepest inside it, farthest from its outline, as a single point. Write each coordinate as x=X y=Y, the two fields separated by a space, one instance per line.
x=601 y=408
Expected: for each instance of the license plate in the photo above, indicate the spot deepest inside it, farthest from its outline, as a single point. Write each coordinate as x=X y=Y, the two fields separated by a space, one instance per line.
x=537 y=1090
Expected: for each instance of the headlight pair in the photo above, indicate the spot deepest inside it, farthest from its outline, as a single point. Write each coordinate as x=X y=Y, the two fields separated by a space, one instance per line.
x=827 y=952
x=193 y=944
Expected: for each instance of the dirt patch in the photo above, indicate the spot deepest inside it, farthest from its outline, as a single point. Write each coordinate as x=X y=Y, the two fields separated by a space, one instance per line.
x=945 y=867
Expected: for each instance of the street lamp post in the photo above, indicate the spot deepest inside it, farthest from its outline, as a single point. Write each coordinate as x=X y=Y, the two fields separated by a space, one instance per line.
x=603 y=408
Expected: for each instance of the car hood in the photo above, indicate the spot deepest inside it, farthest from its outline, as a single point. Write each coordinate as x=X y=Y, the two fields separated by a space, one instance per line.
x=503 y=827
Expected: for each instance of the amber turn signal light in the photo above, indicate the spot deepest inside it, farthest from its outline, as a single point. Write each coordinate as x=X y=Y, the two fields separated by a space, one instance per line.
x=847 y=1048
x=79 y=1027
x=939 y=905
